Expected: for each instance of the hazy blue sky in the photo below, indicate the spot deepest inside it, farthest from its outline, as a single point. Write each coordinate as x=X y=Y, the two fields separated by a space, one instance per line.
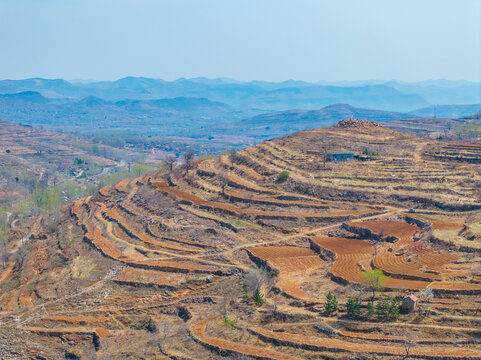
x=246 y=39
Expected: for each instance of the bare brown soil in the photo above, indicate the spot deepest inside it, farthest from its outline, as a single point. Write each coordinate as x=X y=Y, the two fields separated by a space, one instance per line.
x=166 y=265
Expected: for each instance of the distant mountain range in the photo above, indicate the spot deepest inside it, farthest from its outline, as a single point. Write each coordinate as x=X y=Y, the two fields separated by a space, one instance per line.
x=261 y=95
x=176 y=116
x=447 y=111
x=201 y=108
x=190 y=116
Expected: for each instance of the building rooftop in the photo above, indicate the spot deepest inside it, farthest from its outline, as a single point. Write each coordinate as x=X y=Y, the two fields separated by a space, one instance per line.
x=345 y=153
x=412 y=297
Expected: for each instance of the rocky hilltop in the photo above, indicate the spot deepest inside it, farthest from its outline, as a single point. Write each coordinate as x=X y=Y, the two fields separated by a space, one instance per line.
x=357 y=123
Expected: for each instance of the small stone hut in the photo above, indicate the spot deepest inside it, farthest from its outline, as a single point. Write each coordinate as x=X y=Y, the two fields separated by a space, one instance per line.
x=409 y=303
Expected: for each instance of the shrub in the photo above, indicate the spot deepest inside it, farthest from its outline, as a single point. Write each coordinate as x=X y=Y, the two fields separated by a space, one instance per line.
x=229 y=322
x=7 y=151
x=283 y=176
x=258 y=298
x=206 y=156
x=371 y=153
x=326 y=329
x=139 y=169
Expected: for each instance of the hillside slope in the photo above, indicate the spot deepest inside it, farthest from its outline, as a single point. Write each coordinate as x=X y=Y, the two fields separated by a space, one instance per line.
x=37 y=152
x=229 y=258
x=35 y=162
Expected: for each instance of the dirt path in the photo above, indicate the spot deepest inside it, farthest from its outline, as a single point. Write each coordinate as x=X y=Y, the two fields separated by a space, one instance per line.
x=18 y=323
x=8 y=271
x=418 y=152
x=373 y=324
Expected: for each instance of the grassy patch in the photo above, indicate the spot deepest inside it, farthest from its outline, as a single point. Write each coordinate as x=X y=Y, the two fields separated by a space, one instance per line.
x=452 y=236
x=476 y=228
x=471 y=244
x=426 y=215
x=448 y=235
x=226 y=321
x=240 y=224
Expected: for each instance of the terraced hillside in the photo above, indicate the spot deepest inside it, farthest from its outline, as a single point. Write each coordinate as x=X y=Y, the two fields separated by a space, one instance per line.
x=227 y=258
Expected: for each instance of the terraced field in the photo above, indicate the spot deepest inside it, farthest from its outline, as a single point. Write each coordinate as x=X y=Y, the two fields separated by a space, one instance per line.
x=293 y=265
x=168 y=265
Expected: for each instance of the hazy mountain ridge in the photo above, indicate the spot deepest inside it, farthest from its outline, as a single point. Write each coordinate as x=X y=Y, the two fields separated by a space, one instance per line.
x=285 y=122
x=194 y=117
x=92 y=112
x=272 y=96
x=447 y=111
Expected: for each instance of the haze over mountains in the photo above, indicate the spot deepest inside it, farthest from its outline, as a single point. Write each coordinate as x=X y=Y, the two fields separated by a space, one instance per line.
x=167 y=116
x=202 y=107
x=391 y=95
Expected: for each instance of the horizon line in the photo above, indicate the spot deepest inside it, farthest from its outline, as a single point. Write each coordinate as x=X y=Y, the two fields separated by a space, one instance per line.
x=226 y=79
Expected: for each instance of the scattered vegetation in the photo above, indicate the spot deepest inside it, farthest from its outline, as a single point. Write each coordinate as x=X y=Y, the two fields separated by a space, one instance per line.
x=369 y=153
x=169 y=247
x=387 y=309
x=283 y=176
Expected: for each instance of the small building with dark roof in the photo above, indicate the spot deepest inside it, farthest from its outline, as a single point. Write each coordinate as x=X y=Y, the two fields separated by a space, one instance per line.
x=339 y=156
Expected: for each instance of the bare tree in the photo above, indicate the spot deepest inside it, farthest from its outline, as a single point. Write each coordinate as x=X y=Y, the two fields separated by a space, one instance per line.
x=3 y=253
x=224 y=182
x=231 y=156
x=424 y=296
x=20 y=256
x=188 y=161
x=165 y=331
x=4 y=237
x=381 y=232
x=253 y=280
x=360 y=289
x=324 y=155
x=170 y=161
x=408 y=343
x=227 y=294
x=476 y=272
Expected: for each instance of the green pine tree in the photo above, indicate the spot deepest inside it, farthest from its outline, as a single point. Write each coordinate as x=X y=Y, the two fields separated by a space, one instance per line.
x=393 y=309
x=331 y=303
x=370 y=309
x=353 y=308
x=382 y=309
